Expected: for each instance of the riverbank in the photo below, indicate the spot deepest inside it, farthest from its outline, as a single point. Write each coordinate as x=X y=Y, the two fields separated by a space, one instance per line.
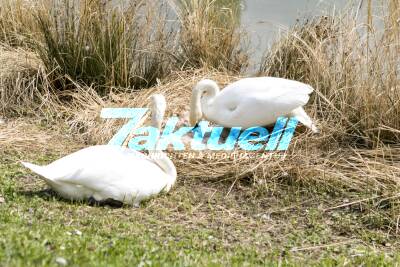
x=201 y=221
x=332 y=199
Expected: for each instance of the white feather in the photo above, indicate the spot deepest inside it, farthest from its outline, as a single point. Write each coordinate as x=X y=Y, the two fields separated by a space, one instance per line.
x=110 y=172
x=249 y=102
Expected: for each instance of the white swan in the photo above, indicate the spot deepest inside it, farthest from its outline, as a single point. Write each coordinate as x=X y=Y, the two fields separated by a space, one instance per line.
x=250 y=102
x=112 y=172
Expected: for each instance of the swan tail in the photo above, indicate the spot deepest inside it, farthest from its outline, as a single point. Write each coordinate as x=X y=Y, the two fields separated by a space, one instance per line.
x=40 y=170
x=302 y=117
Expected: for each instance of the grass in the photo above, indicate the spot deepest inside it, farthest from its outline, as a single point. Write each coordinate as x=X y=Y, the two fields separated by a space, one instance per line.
x=354 y=69
x=197 y=223
x=16 y=27
x=96 y=43
x=334 y=199
x=209 y=35
x=101 y=45
x=24 y=87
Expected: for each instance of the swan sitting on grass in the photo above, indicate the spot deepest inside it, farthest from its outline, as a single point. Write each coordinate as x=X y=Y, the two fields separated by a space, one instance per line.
x=111 y=172
x=250 y=102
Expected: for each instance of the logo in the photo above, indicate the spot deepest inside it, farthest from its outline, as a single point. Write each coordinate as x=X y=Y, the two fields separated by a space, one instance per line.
x=204 y=136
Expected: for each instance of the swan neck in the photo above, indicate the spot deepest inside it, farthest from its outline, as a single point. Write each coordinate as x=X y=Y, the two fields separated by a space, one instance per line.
x=195 y=107
x=158 y=108
x=202 y=96
x=157 y=115
x=210 y=90
x=168 y=167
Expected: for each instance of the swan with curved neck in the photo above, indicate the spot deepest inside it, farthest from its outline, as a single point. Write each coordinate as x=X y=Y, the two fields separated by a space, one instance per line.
x=111 y=172
x=250 y=102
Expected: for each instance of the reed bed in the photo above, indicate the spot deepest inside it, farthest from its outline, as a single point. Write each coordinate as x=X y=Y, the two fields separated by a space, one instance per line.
x=103 y=45
x=95 y=43
x=354 y=69
x=209 y=35
x=16 y=27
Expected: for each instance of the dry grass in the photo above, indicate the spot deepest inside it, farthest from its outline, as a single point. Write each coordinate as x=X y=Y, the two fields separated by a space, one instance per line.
x=355 y=70
x=313 y=160
x=19 y=135
x=24 y=87
x=99 y=44
x=356 y=105
x=83 y=110
x=210 y=36
x=16 y=27
x=96 y=43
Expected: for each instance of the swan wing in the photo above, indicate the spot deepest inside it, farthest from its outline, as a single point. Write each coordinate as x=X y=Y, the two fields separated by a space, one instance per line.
x=258 y=101
x=115 y=172
x=68 y=167
x=270 y=86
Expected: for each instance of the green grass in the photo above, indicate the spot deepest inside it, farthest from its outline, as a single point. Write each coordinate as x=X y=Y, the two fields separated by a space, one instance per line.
x=197 y=223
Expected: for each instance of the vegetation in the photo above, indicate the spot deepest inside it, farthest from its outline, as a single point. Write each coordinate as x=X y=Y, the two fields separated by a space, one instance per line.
x=95 y=43
x=354 y=70
x=332 y=199
x=99 y=43
x=210 y=36
x=199 y=223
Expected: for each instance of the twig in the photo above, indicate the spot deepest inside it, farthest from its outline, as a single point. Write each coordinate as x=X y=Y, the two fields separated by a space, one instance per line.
x=360 y=201
x=322 y=246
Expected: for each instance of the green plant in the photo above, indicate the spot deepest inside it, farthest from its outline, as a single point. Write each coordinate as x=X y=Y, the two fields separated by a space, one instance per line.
x=97 y=44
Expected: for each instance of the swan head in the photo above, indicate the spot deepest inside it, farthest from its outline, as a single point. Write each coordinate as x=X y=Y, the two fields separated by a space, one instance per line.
x=204 y=89
x=158 y=105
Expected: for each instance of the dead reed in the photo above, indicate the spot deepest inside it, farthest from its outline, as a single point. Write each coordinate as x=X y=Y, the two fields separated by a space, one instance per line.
x=16 y=27
x=209 y=35
x=312 y=160
x=24 y=85
x=355 y=70
x=96 y=43
x=102 y=45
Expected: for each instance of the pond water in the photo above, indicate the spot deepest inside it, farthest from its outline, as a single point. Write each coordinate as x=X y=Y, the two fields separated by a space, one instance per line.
x=264 y=20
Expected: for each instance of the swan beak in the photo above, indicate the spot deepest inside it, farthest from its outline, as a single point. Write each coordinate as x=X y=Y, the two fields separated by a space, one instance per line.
x=193 y=121
x=194 y=118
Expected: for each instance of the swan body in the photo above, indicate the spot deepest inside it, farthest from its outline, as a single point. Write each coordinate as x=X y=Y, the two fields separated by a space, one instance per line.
x=251 y=102
x=111 y=172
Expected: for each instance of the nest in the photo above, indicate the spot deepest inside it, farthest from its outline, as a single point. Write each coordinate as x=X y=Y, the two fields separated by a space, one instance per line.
x=311 y=159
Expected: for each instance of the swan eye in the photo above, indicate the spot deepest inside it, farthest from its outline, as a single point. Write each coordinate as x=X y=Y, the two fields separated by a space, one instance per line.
x=231 y=108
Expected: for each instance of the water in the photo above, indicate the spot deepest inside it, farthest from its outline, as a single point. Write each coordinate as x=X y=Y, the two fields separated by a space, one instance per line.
x=264 y=20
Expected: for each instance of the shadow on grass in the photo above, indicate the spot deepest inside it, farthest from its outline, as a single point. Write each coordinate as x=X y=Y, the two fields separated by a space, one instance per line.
x=49 y=195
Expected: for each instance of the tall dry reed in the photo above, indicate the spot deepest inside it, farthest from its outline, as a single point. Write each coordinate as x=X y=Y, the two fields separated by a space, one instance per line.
x=24 y=87
x=210 y=35
x=96 y=43
x=354 y=69
x=16 y=27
